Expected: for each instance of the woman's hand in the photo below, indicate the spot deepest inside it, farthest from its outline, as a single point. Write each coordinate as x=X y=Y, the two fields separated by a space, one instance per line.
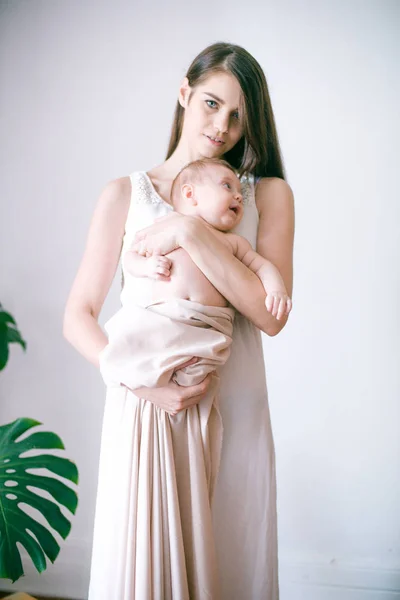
x=173 y=397
x=165 y=235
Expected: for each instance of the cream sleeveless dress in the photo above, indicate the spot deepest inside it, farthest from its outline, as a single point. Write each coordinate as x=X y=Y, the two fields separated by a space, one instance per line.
x=129 y=562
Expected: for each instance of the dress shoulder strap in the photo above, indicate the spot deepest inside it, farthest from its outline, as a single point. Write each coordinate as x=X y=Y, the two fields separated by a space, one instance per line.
x=247 y=183
x=143 y=191
x=145 y=205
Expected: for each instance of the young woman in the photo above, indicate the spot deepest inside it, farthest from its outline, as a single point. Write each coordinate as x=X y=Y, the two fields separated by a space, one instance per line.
x=223 y=110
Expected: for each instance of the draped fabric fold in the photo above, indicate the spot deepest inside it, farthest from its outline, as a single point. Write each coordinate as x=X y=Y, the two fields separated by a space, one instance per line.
x=157 y=472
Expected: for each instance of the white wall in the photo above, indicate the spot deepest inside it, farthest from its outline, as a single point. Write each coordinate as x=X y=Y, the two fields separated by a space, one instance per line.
x=87 y=94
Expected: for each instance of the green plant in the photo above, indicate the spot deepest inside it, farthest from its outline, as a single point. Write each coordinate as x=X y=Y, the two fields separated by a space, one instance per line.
x=9 y=334
x=17 y=481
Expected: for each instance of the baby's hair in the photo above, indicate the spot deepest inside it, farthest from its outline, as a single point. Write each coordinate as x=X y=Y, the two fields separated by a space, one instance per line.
x=194 y=172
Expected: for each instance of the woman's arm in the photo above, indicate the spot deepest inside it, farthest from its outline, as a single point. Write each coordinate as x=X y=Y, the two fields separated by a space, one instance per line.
x=96 y=271
x=233 y=279
x=90 y=287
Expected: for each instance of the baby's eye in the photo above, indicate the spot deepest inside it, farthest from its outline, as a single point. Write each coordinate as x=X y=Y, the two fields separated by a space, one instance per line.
x=227 y=185
x=211 y=103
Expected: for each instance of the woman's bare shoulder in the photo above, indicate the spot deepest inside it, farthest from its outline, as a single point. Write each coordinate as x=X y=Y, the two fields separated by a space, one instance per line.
x=103 y=247
x=117 y=193
x=273 y=188
x=274 y=199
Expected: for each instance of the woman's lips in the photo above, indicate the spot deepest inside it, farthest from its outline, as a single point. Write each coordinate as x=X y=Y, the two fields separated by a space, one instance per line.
x=213 y=141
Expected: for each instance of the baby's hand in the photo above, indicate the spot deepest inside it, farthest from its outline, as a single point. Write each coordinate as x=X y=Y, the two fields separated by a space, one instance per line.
x=158 y=267
x=278 y=304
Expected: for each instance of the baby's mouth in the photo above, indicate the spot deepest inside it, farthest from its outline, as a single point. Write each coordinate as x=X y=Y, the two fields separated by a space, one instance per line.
x=235 y=208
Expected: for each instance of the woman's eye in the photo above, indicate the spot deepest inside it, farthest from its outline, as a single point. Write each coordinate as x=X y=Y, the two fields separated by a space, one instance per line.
x=211 y=103
x=236 y=115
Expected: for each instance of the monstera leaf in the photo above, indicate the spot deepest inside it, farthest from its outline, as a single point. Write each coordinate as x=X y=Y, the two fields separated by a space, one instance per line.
x=9 y=334
x=15 y=483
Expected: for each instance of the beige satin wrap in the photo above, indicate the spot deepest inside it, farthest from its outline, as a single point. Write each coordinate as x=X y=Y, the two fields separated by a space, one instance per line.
x=157 y=472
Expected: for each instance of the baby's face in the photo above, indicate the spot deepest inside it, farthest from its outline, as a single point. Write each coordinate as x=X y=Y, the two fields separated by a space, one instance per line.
x=219 y=198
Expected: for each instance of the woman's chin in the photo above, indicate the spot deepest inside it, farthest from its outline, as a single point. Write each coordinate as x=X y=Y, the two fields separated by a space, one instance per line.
x=210 y=150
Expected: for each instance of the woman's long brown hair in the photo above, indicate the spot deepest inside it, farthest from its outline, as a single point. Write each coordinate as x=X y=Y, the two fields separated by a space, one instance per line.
x=258 y=151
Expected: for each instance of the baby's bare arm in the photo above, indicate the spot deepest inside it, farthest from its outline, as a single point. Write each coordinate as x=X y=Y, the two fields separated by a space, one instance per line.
x=263 y=268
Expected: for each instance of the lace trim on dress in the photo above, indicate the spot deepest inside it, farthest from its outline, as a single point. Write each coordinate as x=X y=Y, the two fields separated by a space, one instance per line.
x=247 y=182
x=143 y=191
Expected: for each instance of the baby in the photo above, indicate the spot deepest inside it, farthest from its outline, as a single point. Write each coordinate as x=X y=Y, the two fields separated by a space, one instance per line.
x=207 y=189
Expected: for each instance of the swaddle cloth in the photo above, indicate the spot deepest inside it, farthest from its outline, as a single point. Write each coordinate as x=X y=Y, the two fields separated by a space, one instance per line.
x=168 y=534
x=148 y=343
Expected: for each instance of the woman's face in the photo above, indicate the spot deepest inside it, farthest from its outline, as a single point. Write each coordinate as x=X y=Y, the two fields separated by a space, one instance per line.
x=212 y=121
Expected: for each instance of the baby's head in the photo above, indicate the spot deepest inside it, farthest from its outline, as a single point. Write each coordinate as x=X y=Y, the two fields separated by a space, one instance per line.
x=209 y=188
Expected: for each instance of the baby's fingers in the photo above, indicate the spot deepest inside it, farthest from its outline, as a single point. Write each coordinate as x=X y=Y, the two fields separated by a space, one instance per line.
x=163 y=271
x=163 y=261
x=272 y=304
x=269 y=302
x=281 y=308
x=160 y=277
x=285 y=306
x=278 y=304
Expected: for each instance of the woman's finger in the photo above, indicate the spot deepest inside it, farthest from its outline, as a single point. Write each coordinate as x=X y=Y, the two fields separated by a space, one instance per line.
x=196 y=390
x=140 y=235
x=191 y=401
x=193 y=394
x=166 y=217
x=140 y=248
x=189 y=362
x=154 y=228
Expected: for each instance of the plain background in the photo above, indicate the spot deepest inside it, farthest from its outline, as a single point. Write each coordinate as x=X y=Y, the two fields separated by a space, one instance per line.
x=87 y=93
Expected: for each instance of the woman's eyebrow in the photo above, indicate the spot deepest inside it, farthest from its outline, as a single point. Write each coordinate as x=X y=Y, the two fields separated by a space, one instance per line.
x=215 y=97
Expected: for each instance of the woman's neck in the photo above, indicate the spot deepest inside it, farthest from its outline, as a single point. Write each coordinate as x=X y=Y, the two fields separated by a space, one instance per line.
x=182 y=155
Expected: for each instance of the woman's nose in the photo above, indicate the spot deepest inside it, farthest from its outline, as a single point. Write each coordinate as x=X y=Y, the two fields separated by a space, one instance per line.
x=221 y=122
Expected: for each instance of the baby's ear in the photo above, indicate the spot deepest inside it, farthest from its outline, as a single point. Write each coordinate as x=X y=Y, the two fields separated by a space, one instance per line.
x=188 y=193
